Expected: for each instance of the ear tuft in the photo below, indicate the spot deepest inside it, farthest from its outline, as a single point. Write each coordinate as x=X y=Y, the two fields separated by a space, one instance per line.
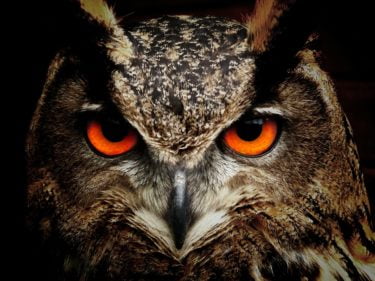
x=263 y=19
x=99 y=11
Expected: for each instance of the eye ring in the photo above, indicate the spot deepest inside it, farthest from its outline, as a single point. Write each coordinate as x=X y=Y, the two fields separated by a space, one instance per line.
x=252 y=137
x=96 y=136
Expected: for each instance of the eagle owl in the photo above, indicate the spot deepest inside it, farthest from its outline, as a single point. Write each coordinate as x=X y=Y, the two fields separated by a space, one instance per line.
x=196 y=148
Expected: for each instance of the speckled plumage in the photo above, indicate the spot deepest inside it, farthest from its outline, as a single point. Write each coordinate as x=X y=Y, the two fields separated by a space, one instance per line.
x=185 y=76
x=298 y=212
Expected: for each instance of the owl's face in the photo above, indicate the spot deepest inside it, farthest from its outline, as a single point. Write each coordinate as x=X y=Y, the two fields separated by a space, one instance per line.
x=177 y=146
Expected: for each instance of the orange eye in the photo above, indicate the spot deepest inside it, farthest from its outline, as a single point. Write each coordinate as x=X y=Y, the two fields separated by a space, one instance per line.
x=252 y=137
x=111 y=139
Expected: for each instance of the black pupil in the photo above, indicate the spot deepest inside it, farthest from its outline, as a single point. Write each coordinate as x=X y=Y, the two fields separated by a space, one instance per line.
x=114 y=131
x=249 y=130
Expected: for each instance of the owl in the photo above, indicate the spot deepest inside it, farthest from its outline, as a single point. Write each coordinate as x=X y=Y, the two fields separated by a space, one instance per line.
x=196 y=148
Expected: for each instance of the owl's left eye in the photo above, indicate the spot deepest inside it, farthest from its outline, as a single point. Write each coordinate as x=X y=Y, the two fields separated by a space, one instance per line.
x=252 y=136
x=111 y=139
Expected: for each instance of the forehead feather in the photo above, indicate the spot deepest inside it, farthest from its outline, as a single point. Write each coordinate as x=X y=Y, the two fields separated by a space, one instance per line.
x=189 y=77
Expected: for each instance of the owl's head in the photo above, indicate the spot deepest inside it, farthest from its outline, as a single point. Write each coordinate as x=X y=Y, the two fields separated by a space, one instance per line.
x=164 y=145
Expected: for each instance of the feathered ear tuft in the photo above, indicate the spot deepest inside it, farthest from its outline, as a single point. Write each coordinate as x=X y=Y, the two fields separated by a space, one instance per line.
x=263 y=20
x=285 y=23
x=99 y=11
x=277 y=31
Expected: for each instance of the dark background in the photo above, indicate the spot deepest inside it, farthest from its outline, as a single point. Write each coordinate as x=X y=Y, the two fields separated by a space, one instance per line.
x=346 y=29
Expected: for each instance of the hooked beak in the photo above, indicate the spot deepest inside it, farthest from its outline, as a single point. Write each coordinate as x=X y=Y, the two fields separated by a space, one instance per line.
x=179 y=212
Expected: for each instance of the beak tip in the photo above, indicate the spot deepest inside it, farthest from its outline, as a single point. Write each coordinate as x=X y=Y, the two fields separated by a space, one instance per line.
x=179 y=222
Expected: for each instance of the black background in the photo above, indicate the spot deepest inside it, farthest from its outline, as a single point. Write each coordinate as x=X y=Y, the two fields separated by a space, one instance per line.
x=37 y=27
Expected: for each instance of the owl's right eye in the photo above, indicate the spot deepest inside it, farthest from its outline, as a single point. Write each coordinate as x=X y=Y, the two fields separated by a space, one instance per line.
x=252 y=136
x=111 y=139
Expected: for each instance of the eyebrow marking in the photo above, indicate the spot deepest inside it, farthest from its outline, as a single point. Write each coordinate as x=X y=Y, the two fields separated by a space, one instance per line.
x=91 y=107
x=269 y=110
